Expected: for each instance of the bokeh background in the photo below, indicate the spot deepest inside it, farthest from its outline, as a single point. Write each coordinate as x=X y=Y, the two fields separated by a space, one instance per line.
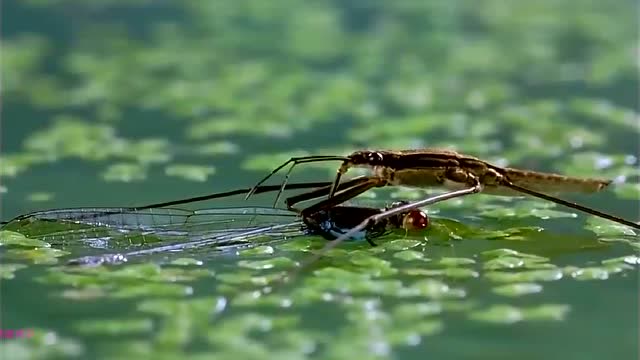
x=122 y=103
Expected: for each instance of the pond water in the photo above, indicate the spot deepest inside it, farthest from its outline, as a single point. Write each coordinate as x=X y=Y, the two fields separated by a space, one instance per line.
x=110 y=103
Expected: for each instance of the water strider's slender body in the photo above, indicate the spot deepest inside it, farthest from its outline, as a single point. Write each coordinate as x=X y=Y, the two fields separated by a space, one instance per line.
x=453 y=171
x=449 y=169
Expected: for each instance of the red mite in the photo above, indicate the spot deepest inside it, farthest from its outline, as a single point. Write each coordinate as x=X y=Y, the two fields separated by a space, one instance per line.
x=415 y=220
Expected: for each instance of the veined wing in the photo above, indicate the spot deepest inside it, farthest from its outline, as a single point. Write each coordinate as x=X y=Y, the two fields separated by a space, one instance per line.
x=87 y=223
x=122 y=228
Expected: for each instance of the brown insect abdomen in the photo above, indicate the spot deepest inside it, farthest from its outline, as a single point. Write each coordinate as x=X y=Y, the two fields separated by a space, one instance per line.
x=550 y=183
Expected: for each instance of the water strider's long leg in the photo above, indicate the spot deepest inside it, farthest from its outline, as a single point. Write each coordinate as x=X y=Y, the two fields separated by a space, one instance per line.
x=336 y=183
x=322 y=191
x=569 y=204
x=285 y=181
x=365 y=184
x=293 y=161
x=256 y=190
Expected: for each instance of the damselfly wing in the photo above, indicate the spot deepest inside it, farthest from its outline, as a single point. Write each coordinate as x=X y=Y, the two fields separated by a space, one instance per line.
x=139 y=232
x=148 y=231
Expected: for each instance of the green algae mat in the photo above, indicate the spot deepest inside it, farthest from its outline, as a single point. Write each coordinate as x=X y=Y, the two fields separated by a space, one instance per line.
x=125 y=103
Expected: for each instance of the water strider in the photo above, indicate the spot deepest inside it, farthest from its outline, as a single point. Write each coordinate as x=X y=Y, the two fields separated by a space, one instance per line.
x=460 y=174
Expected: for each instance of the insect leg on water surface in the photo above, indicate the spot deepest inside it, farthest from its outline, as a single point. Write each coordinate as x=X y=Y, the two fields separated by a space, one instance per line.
x=293 y=161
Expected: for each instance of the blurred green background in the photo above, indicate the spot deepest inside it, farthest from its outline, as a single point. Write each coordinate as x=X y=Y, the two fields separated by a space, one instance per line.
x=121 y=103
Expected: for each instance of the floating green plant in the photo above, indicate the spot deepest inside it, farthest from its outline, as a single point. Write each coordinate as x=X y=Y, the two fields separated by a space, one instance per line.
x=170 y=88
x=190 y=172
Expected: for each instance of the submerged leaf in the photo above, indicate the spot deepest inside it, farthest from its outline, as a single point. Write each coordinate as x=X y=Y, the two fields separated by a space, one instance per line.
x=190 y=172
x=501 y=314
x=525 y=276
x=604 y=227
x=40 y=255
x=7 y=271
x=517 y=289
x=125 y=172
x=12 y=238
x=629 y=259
x=40 y=197
x=453 y=262
x=409 y=255
x=628 y=191
x=186 y=262
x=114 y=326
